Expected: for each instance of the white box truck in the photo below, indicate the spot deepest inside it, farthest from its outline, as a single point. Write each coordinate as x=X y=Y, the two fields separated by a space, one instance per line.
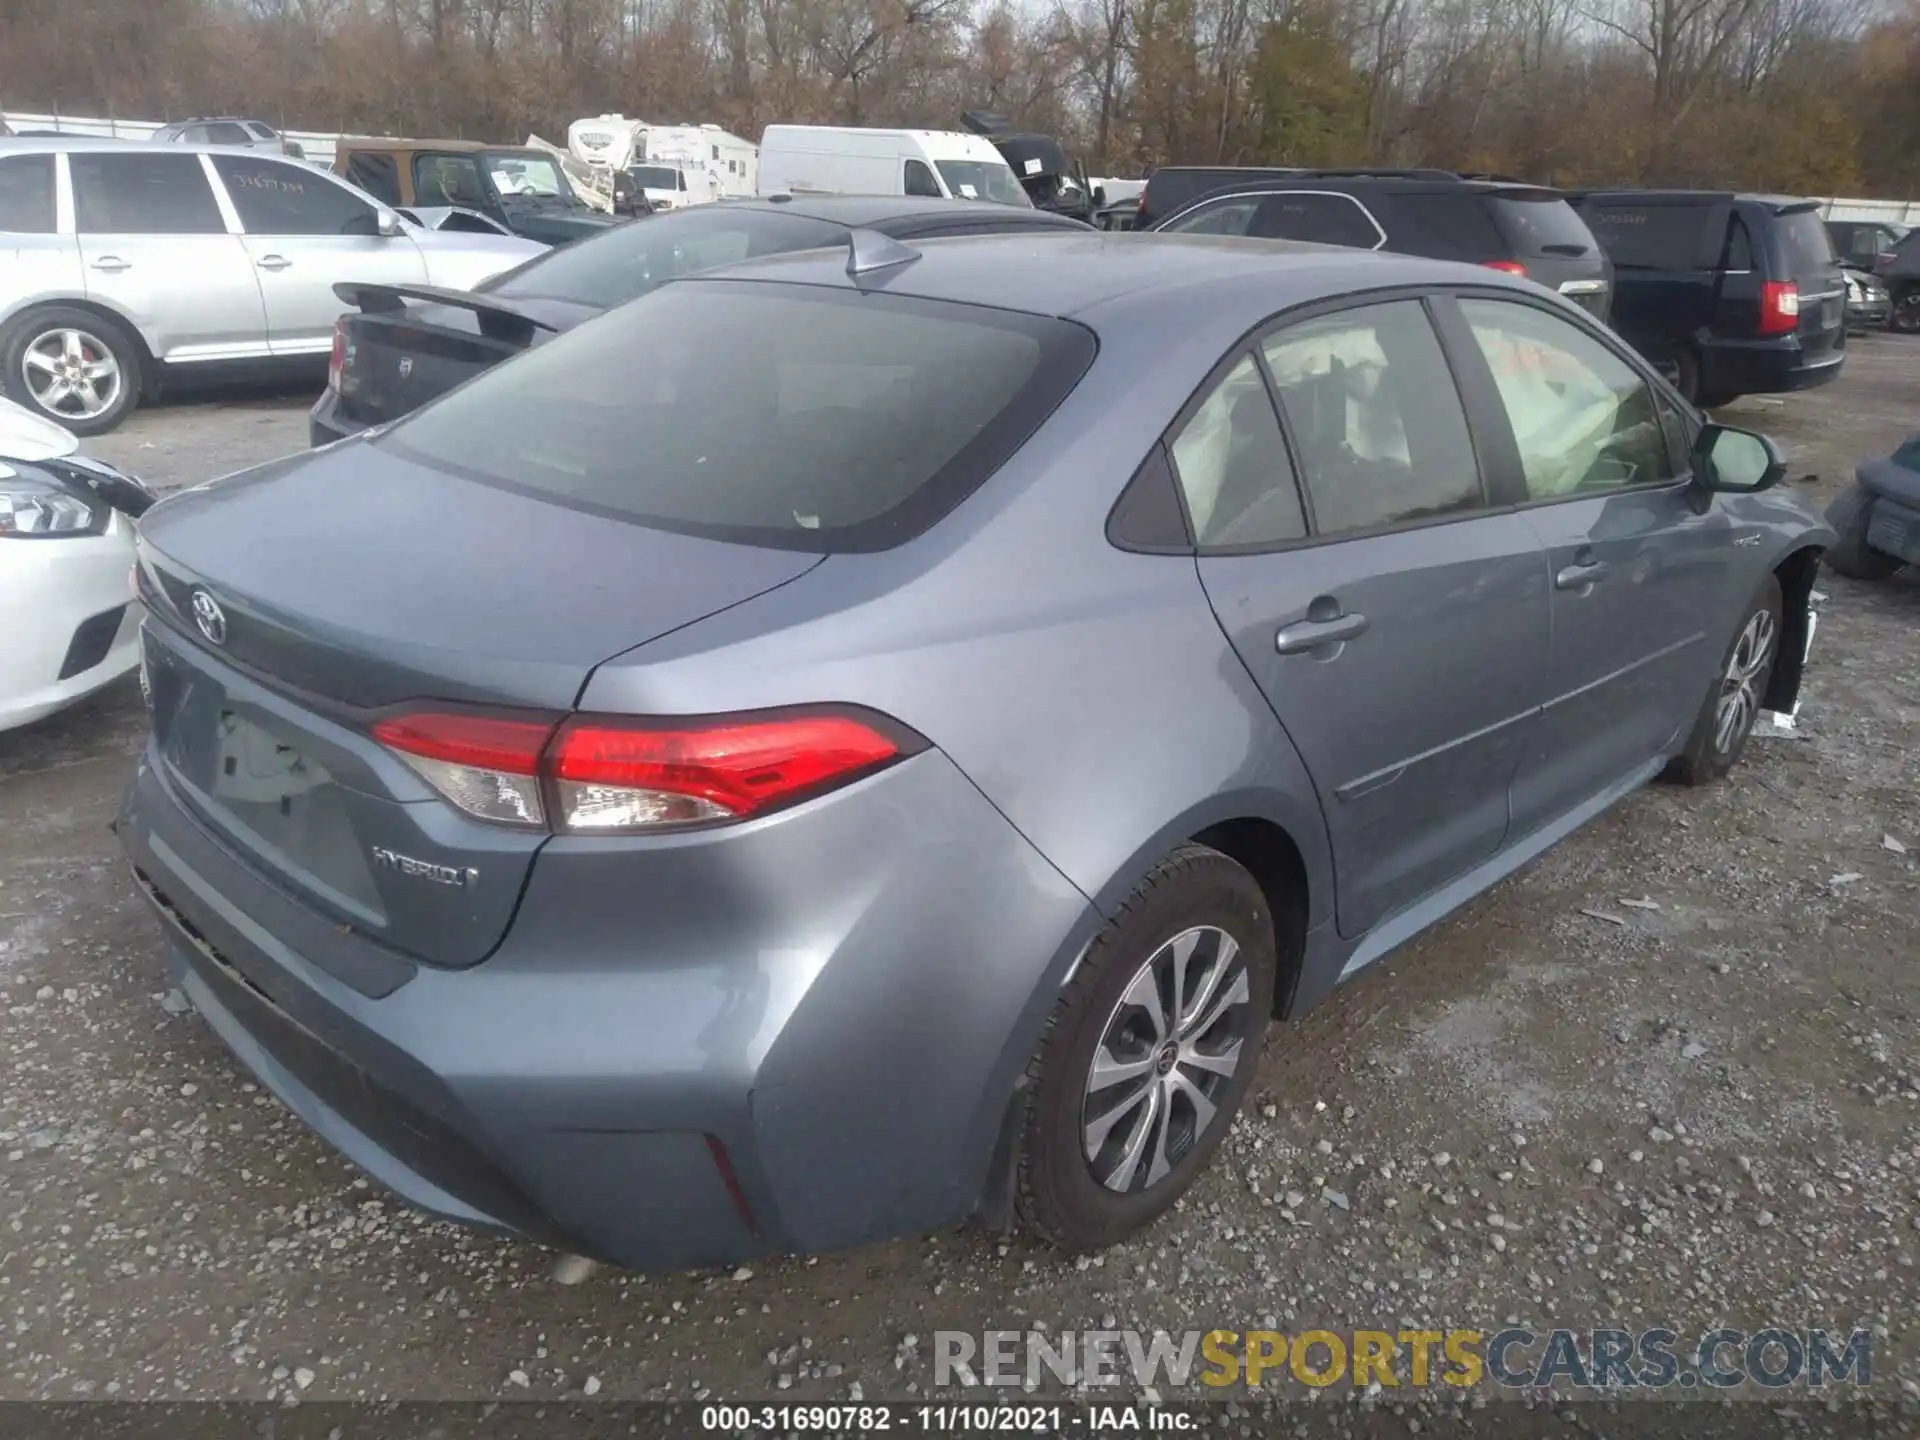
x=840 y=160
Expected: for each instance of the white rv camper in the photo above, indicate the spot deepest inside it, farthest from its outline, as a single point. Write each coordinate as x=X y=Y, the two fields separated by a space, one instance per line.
x=837 y=160
x=676 y=165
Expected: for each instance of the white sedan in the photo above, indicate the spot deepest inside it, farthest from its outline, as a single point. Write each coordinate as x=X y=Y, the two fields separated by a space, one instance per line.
x=67 y=623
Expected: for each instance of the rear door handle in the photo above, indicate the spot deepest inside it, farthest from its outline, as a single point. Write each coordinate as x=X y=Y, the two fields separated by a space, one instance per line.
x=1308 y=635
x=111 y=264
x=1579 y=577
x=274 y=262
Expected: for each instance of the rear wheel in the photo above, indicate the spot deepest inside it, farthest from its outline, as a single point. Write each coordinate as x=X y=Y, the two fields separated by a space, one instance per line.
x=1850 y=555
x=72 y=366
x=1149 y=1052
x=1733 y=701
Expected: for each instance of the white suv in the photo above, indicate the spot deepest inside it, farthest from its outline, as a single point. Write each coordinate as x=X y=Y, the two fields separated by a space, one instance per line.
x=133 y=263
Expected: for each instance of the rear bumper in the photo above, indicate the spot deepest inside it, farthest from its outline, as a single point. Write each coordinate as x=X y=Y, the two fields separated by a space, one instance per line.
x=69 y=629
x=1766 y=367
x=685 y=1052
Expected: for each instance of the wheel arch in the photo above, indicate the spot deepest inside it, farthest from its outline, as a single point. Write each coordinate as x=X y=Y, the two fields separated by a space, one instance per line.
x=1796 y=571
x=149 y=364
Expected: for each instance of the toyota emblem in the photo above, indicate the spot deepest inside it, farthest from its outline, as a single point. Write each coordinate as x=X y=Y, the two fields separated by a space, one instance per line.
x=211 y=619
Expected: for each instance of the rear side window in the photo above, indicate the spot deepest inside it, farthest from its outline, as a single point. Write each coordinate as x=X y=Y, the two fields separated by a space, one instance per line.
x=1233 y=468
x=791 y=416
x=629 y=260
x=1804 y=244
x=1326 y=219
x=26 y=194
x=145 y=194
x=1376 y=420
x=280 y=199
x=1658 y=236
x=1542 y=225
x=378 y=175
x=1447 y=227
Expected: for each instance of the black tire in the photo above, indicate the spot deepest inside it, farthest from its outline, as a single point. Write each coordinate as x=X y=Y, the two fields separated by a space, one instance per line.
x=99 y=340
x=1904 y=318
x=1712 y=752
x=1060 y=1197
x=1850 y=555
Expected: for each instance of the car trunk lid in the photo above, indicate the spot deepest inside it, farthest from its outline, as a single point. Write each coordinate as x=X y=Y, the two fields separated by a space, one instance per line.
x=265 y=677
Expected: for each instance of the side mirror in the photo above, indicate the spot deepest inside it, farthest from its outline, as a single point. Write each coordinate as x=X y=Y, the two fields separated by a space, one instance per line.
x=386 y=224
x=1736 y=462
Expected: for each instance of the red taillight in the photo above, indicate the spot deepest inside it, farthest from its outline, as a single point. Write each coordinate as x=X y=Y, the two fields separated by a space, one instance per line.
x=1779 y=307
x=603 y=774
x=612 y=776
x=337 y=362
x=1505 y=267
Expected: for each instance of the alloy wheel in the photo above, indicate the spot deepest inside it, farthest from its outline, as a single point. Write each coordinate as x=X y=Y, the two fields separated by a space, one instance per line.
x=1739 y=703
x=1174 y=1041
x=71 y=374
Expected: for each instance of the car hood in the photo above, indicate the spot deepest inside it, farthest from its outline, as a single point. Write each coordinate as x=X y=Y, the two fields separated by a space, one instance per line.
x=459 y=260
x=26 y=436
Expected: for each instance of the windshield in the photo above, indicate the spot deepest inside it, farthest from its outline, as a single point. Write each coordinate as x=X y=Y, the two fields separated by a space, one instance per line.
x=982 y=180
x=1547 y=225
x=657 y=177
x=788 y=415
x=629 y=260
x=518 y=173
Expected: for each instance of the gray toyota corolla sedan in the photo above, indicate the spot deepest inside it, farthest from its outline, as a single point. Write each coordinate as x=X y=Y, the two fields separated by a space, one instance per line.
x=874 y=736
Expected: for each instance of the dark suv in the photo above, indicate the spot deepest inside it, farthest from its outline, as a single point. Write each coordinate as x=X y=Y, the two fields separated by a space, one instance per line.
x=1172 y=188
x=1730 y=294
x=1505 y=224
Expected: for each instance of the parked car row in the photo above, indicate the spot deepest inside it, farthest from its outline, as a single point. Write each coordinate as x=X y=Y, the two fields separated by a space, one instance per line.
x=135 y=266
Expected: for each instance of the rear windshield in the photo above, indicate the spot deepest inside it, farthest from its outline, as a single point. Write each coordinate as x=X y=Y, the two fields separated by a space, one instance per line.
x=1658 y=236
x=1804 y=243
x=629 y=260
x=1543 y=225
x=794 y=416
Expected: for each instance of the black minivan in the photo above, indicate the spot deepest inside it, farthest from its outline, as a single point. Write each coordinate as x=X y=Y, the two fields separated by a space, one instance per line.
x=1730 y=294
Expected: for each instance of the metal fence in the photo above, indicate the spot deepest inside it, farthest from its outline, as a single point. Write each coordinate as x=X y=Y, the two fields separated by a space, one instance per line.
x=319 y=147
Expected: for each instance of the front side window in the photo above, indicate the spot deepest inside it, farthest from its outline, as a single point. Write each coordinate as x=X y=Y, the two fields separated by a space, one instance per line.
x=376 y=173
x=145 y=194
x=786 y=415
x=920 y=179
x=26 y=195
x=274 y=198
x=449 y=180
x=1585 y=420
x=1375 y=418
x=1233 y=469
x=1323 y=219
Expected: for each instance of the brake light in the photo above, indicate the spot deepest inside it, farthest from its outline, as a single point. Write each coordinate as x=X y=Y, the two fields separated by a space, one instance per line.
x=337 y=362
x=601 y=775
x=1505 y=267
x=1779 y=307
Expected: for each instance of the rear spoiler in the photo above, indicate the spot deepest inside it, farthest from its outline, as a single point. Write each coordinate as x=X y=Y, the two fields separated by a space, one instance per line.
x=499 y=319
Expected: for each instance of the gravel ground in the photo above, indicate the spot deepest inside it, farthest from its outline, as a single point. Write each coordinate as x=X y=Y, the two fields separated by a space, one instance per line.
x=1667 y=1075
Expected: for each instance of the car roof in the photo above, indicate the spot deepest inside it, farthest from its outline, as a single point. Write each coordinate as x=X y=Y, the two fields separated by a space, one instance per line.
x=1071 y=274
x=888 y=211
x=1681 y=197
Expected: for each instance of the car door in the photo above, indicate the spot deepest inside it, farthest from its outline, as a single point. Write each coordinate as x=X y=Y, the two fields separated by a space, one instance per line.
x=157 y=248
x=1396 y=622
x=304 y=232
x=1637 y=565
x=36 y=259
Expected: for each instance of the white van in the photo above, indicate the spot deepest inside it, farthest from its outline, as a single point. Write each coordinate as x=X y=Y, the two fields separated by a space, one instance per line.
x=837 y=160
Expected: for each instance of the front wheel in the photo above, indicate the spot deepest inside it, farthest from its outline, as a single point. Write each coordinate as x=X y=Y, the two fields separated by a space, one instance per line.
x=1905 y=319
x=1149 y=1052
x=1850 y=515
x=1734 y=699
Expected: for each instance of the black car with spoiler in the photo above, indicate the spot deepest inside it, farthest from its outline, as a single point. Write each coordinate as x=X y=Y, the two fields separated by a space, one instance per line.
x=407 y=344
